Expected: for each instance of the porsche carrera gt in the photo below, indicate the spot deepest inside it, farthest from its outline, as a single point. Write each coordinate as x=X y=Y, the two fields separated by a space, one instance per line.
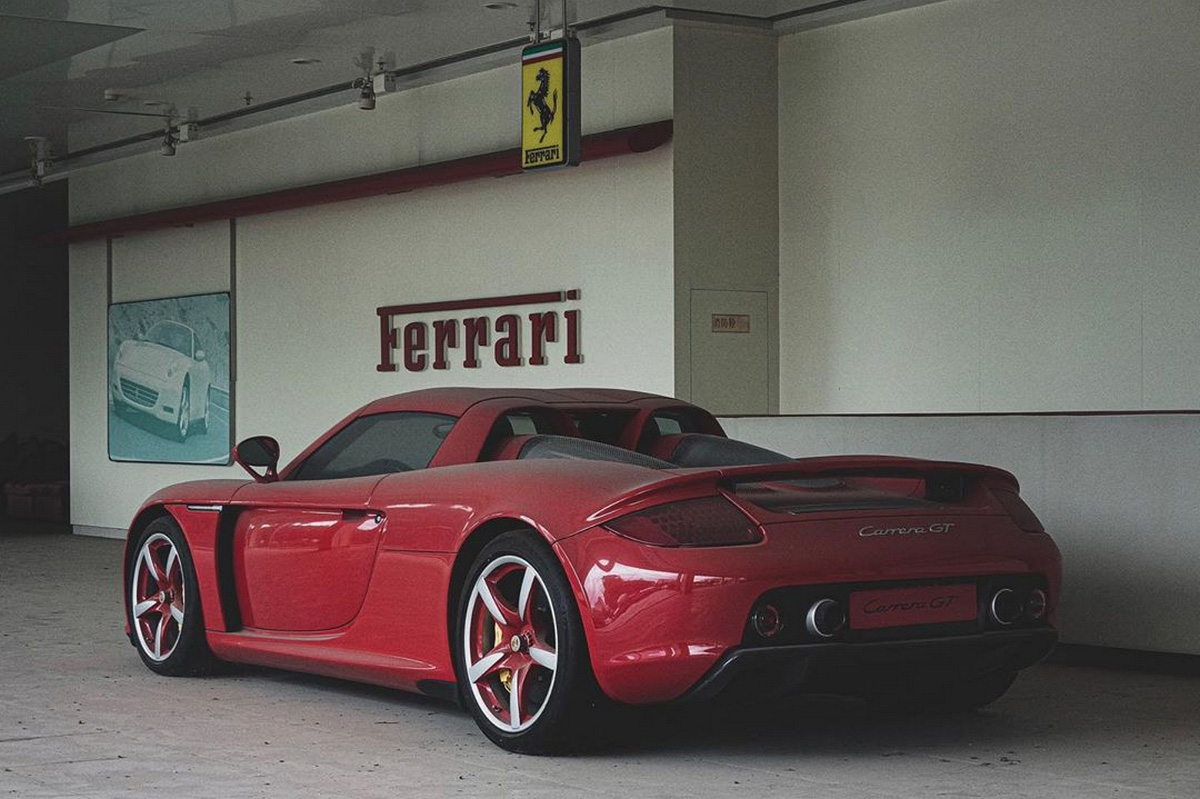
x=537 y=554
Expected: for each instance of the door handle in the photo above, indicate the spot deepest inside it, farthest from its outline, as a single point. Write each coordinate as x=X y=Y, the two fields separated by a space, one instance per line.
x=358 y=515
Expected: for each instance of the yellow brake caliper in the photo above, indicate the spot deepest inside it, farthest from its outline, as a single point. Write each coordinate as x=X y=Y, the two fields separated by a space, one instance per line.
x=505 y=674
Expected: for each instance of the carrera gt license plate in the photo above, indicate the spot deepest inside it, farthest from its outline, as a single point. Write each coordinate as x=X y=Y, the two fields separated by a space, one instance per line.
x=902 y=607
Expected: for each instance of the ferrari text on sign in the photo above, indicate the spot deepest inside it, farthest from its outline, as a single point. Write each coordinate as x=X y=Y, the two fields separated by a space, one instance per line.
x=472 y=339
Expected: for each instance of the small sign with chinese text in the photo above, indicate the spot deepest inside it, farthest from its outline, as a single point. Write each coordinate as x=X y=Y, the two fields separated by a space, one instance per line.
x=730 y=323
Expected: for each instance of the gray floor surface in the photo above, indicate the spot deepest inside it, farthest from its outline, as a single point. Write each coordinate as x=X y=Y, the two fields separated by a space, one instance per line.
x=80 y=716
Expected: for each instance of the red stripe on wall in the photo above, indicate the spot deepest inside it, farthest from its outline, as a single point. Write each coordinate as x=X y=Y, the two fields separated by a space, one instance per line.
x=960 y=414
x=482 y=302
x=623 y=141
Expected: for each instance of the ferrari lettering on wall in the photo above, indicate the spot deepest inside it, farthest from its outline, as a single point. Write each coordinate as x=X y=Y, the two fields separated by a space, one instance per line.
x=425 y=343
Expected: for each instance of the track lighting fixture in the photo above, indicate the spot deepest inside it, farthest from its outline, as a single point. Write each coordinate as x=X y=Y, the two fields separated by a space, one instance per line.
x=40 y=158
x=366 y=95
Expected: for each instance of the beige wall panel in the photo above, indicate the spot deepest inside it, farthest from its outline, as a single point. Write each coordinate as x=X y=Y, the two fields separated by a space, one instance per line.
x=726 y=178
x=171 y=263
x=89 y=381
x=731 y=368
x=1108 y=489
x=989 y=206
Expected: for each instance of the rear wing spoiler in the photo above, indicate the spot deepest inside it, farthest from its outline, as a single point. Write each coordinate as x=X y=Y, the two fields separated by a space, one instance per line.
x=943 y=478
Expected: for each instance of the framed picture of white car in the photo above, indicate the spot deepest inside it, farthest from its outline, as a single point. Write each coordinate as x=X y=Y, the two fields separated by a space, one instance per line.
x=169 y=390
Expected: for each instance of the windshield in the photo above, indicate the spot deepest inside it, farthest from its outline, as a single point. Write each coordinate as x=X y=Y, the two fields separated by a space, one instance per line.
x=170 y=334
x=382 y=443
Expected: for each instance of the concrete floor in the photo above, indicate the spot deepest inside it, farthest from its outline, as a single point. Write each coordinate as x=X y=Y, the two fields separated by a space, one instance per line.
x=81 y=716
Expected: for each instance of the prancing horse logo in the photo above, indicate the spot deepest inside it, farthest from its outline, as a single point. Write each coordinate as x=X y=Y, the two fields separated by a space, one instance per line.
x=537 y=102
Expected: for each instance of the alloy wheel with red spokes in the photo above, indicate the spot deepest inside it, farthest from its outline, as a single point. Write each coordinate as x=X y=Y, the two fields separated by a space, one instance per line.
x=158 y=597
x=163 y=602
x=510 y=643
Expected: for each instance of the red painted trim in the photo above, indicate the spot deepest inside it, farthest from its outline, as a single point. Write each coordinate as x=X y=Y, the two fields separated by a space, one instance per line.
x=547 y=57
x=624 y=141
x=955 y=415
x=482 y=302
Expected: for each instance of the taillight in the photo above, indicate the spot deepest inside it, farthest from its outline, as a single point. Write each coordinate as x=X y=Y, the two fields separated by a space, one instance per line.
x=1025 y=518
x=708 y=522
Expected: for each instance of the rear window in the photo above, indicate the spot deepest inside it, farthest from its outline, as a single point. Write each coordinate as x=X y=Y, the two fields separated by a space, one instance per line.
x=603 y=426
x=379 y=444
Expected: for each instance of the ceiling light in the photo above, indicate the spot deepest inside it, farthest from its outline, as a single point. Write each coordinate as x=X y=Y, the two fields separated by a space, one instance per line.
x=499 y=6
x=305 y=61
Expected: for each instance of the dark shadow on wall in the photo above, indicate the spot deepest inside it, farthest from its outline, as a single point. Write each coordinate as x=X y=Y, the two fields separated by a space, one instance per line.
x=34 y=381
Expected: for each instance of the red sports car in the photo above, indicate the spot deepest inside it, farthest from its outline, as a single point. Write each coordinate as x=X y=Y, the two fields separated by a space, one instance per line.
x=537 y=554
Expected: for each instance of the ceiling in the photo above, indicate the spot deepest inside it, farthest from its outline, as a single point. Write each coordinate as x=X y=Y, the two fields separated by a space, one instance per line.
x=233 y=63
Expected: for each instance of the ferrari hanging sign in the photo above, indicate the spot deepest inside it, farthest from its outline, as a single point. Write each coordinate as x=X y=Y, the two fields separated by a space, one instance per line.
x=550 y=128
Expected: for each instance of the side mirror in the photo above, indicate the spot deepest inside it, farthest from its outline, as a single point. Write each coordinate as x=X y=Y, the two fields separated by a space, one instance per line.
x=200 y=356
x=261 y=452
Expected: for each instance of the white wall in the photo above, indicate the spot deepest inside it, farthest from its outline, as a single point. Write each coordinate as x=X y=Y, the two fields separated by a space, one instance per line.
x=990 y=205
x=604 y=228
x=165 y=263
x=308 y=281
x=1108 y=488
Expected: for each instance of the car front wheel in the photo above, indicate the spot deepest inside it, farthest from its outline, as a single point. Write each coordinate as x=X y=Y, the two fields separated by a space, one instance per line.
x=164 y=602
x=521 y=653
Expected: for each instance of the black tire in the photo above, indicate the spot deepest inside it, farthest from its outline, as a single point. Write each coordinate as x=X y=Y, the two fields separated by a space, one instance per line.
x=953 y=695
x=568 y=701
x=202 y=422
x=166 y=644
x=183 y=419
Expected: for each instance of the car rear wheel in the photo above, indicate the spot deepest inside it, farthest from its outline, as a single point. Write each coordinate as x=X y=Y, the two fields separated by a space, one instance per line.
x=164 y=603
x=521 y=653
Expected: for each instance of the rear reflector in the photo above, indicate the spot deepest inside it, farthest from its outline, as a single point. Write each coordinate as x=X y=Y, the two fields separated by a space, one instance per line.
x=1025 y=518
x=708 y=522
x=1036 y=604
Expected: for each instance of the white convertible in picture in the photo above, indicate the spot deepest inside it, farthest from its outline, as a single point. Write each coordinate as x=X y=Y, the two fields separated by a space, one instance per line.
x=165 y=374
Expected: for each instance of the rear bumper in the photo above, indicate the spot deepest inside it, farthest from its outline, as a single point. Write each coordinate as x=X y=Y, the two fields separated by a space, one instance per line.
x=861 y=667
x=661 y=621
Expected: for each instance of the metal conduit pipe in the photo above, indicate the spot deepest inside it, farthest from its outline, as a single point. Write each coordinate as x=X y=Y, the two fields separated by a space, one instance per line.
x=95 y=154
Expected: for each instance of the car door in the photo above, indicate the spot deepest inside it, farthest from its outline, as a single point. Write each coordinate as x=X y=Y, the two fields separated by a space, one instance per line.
x=304 y=548
x=303 y=552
